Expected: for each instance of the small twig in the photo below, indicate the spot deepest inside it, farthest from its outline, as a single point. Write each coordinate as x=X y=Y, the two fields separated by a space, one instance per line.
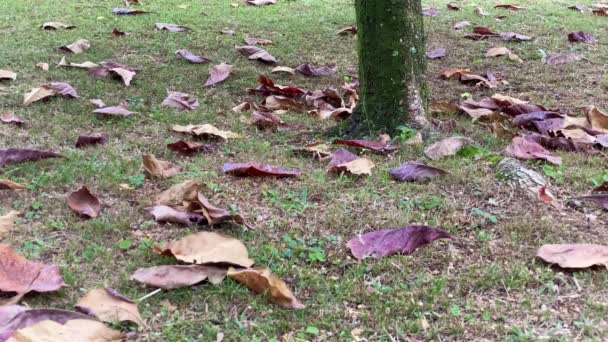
x=149 y=295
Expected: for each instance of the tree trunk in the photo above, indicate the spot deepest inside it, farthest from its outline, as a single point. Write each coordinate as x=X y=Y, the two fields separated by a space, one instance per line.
x=392 y=65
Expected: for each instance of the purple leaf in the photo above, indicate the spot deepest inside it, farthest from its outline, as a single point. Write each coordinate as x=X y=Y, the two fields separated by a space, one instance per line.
x=314 y=71
x=17 y=155
x=403 y=240
x=581 y=37
x=412 y=171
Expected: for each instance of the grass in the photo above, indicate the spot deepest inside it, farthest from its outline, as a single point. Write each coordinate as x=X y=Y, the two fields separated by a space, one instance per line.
x=485 y=284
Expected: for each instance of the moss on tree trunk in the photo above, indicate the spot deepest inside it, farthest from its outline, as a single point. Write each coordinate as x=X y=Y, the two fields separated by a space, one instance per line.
x=391 y=65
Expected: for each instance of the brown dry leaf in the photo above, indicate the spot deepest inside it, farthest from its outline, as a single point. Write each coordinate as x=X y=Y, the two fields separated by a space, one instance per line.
x=160 y=168
x=288 y=70
x=11 y=118
x=597 y=118
x=446 y=147
x=20 y=155
x=347 y=30
x=453 y=7
x=43 y=66
x=109 y=306
x=208 y=248
x=93 y=139
x=7 y=222
x=114 y=111
x=461 y=24
x=177 y=276
x=255 y=53
x=528 y=149
x=205 y=130
x=118 y=33
x=6 y=184
x=189 y=148
x=54 y=25
x=125 y=74
x=181 y=101
x=218 y=74
x=83 y=65
x=504 y=100
x=513 y=7
x=261 y=2
x=256 y=169
x=84 y=203
x=574 y=255
x=178 y=193
x=7 y=75
x=192 y=58
x=318 y=150
x=257 y=41
x=171 y=27
x=48 y=90
x=163 y=213
x=449 y=73
x=215 y=215
x=480 y=11
x=244 y=106
x=501 y=51
x=81 y=330
x=359 y=166
x=561 y=58
x=79 y=46
x=262 y=281
x=479 y=81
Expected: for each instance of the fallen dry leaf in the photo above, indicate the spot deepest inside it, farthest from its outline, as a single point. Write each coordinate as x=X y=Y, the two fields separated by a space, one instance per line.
x=529 y=150
x=7 y=75
x=54 y=25
x=288 y=70
x=97 y=103
x=347 y=30
x=502 y=51
x=514 y=36
x=163 y=213
x=574 y=255
x=461 y=24
x=171 y=27
x=581 y=37
x=192 y=58
x=214 y=215
x=258 y=170
x=118 y=33
x=79 y=46
x=160 y=168
x=597 y=119
x=560 y=58
x=11 y=118
x=480 y=11
x=181 y=101
x=84 y=330
x=513 y=7
x=403 y=240
x=125 y=74
x=18 y=155
x=430 y=12
x=436 y=53
x=43 y=66
x=48 y=90
x=580 y=8
x=413 y=171
x=189 y=148
x=599 y=199
x=453 y=7
x=315 y=71
x=109 y=306
x=7 y=222
x=267 y=87
x=261 y=2
x=6 y=184
x=318 y=150
x=19 y=275
x=119 y=111
x=376 y=146
x=177 y=276
x=446 y=147
x=185 y=191
x=228 y=32
x=84 y=203
x=15 y=317
x=343 y=160
x=205 y=130
x=265 y=120
x=256 y=53
x=449 y=73
x=92 y=139
x=218 y=74
x=262 y=281
x=128 y=11
x=208 y=248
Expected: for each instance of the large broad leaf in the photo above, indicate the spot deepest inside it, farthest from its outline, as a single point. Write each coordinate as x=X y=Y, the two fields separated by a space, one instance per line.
x=181 y=101
x=404 y=240
x=262 y=281
x=311 y=70
x=581 y=37
x=258 y=170
x=163 y=213
x=15 y=317
x=574 y=255
x=176 y=276
x=160 y=168
x=47 y=90
x=208 y=248
x=413 y=171
x=185 y=191
x=527 y=149
x=446 y=147
x=218 y=74
x=19 y=275
x=84 y=203
x=109 y=306
x=19 y=155
x=430 y=12
x=72 y=330
x=83 y=65
x=205 y=130
x=192 y=58
x=171 y=27
x=256 y=53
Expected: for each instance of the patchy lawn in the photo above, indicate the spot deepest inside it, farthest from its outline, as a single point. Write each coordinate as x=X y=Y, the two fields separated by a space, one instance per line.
x=483 y=284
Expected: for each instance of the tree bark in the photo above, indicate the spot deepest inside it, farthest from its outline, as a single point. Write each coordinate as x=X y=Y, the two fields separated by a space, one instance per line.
x=392 y=64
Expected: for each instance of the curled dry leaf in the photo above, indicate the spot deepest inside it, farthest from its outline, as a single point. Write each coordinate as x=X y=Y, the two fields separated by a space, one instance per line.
x=446 y=147
x=597 y=119
x=128 y=11
x=7 y=75
x=48 y=90
x=171 y=27
x=228 y=32
x=192 y=58
x=318 y=150
x=343 y=160
x=261 y=2
x=347 y=30
x=527 y=149
x=581 y=37
x=264 y=120
x=83 y=65
x=513 y=7
x=288 y=70
x=267 y=87
x=574 y=255
x=205 y=130
x=453 y=7
x=502 y=51
x=376 y=146
x=19 y=275
x=79 y=46
x=109 y=306
x=178 y=193
x=258 y=170
x=255 y=53
x=436 y=53
x=84 y=203
x=7 y=222
x=54 y=25
x=449 y=73
x=11 y=118
x=160 y=168
x=93 y=139
x=213 y=214
x=601 y=188
x=218 y=74
x=208 y=248
x=72 y=330
x=189 y=148
x=257 y=41
x=413 y=171
x=261 y=280
x=6 y=184
x=580 y=8
x=514 y=36
x=176 y=276
x=315 y=71
x=163 y=213
x=16 y=317
x=118 y=33
x=43 y=66
x=181 y=101
x=403 y=240
x=124 y=74
x=480 y=11
x=461 y=24
x=18 y=155
x=119 y=111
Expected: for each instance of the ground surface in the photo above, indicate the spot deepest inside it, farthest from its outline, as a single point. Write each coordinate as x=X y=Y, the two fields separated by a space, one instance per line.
x=485 y=284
